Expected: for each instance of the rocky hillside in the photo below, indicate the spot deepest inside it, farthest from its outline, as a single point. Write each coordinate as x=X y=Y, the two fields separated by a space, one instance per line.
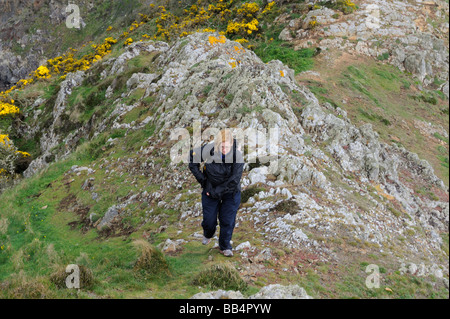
x=100 y=189
x=33 y=31
x=411 y=35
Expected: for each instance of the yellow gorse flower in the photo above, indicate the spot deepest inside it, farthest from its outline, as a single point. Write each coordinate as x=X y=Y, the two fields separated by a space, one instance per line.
x=236 y=27
x=241 y=40
x=8 y=145
x=269 y=7
x=248 y=9
x=8 y=109
x=24 y=154
x=168 y=25
x=42 y=72
x=4 y=139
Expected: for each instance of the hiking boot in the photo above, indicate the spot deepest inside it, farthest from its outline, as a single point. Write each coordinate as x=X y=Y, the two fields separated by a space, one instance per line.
x=206 y=241
x=227 y=252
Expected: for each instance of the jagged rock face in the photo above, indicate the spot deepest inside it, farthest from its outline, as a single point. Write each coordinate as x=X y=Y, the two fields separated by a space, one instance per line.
x=20 y=50
x=52 y=136
x=325 y=164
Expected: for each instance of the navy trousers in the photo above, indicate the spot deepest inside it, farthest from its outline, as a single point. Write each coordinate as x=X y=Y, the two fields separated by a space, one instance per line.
x=226 y=209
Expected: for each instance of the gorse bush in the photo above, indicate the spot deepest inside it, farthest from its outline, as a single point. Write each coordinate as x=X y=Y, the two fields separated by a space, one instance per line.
x=228 y=18
x=9 y=155
x=225 y=17
x=346 y=6
x=8 y=108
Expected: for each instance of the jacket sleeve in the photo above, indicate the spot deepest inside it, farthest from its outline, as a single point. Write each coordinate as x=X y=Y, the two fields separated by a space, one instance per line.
x=195 y=158
x=232 y=182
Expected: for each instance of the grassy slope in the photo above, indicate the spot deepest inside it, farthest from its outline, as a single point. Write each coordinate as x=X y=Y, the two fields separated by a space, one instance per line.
x=42 y=221
x=380 y=94
x=40 y=239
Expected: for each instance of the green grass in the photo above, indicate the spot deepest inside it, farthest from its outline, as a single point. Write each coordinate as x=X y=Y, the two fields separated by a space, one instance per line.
x=36 y=223
x=39 y=241
x=220 y=276
x=321 y=93
x=250 y=192
x=393 y=285
x=246 y=110
x=440 y=137
x=298 y=60
x=359 y=81
x=383 y=56
x=374 y=117
x=427 y=97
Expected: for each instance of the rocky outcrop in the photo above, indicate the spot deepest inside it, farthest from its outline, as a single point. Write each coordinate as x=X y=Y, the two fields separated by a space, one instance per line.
x=54 y=134
x=22 y=51
x=413 y=36
x=268 y=292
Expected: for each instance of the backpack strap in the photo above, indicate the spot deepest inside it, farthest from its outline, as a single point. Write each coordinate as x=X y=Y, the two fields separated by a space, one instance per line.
x=234 y=151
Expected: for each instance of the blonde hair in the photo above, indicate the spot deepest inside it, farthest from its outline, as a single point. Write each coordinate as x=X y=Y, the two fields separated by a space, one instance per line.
x=223 y=136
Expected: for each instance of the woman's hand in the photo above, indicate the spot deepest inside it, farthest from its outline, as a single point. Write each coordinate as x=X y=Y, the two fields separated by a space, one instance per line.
x=207 y=193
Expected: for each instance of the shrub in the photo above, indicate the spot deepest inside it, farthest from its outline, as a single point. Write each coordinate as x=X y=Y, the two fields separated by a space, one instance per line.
x=151 y=261
x=383 y=56
x=10 y=157
x=250 y=192
x=287 y=206
x=86 y=277
x=427 y=97
x=220 y=276
x=346 y=6
x=93 y=99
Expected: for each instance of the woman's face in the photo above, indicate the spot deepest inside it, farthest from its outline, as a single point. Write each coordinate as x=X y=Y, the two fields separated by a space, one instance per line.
x=226 y=146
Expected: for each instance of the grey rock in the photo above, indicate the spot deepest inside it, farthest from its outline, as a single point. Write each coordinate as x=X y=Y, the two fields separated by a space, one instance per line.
x=219 y=294
x=107 y=219
x=412 y=268
x=268 y=292
x=263 y=255
x=444 y=89
x=171 y=246
x=277 y=291
x=285 y=35
x=244 y=245
x=258 y=175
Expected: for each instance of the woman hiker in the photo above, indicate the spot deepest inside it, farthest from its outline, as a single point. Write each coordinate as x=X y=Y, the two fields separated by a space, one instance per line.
x=220 y=178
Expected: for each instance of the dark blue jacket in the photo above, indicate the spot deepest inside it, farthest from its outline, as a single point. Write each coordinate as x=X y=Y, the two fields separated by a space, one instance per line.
x=221 y=174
